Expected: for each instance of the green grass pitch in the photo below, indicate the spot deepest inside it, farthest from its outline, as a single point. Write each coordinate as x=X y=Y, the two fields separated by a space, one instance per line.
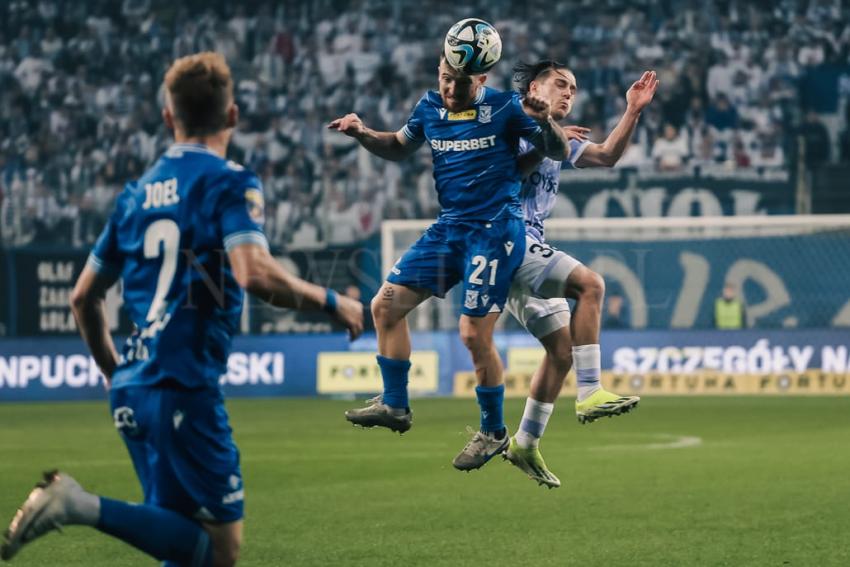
x=767 y=484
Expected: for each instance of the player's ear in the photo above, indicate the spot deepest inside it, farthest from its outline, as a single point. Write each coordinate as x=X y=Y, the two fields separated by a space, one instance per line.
x=232 y=115
x=167 y=117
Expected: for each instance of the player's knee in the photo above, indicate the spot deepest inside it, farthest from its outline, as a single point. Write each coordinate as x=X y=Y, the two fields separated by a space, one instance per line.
x=226 y=552
x=592 y=287
x=382 y=312
x=377 y=309
x=560 y=355
x=226 y=544
x=473 y=338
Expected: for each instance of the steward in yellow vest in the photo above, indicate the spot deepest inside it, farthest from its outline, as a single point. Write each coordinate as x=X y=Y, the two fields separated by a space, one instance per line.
x=729 y=310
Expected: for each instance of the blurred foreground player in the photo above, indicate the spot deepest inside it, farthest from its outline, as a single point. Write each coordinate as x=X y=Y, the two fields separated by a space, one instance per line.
x=186 y=238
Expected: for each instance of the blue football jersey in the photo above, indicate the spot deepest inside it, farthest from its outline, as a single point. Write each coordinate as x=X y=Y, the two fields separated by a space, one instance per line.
x=474 y=153
x=167 y=239
x=540 y=187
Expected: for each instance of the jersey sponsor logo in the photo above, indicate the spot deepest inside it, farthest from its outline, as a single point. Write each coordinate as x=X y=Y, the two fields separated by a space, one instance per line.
x=463 y=145
x=509 y=247
x=256 y=205
x=485 y=113
x=541 y=181
x=442 y=112
x=485 y=299
x=463 y=115
x=233 y=497
x=471 y=300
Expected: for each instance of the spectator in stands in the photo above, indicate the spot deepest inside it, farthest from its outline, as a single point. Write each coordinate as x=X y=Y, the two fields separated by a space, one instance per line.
x=704 y=150
x=720 y=113
x=84 y=72
x=729 y=311
x=816 y=139
x=769 y=153
x=740 y=154
x=670 y=152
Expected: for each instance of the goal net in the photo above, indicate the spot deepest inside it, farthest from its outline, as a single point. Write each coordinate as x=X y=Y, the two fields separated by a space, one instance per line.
x=789 y=271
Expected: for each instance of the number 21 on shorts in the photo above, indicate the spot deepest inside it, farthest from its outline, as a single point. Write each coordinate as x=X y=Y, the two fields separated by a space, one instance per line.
x=481 y=263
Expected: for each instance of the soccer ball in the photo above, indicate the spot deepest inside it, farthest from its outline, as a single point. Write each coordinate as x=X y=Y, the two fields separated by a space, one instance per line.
x=472 y=46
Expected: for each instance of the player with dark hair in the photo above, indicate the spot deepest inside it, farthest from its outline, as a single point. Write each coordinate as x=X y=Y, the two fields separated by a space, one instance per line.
x=474 y=134
x=548 y=276
x=186 y=239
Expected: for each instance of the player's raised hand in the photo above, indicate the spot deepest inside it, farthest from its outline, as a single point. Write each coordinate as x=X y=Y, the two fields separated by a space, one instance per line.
x=641 y=92
x=536 y=107
x=349 y=312
x=576 y=133
x=350 y=125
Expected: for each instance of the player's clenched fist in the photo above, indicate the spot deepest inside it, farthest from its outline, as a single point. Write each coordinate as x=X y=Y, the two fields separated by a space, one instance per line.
x=536 y=107
x=349 y=312
x=350 y=125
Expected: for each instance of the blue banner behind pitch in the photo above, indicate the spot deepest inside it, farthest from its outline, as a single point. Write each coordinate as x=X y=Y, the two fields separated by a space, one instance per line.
x=287 y=365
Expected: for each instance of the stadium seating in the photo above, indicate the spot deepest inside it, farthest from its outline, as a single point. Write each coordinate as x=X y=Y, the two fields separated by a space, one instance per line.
x=79 y=85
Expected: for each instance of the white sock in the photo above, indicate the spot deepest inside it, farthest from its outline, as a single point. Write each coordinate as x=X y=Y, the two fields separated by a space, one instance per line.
x=534 y=420
x=81 y=507
x=588 y=363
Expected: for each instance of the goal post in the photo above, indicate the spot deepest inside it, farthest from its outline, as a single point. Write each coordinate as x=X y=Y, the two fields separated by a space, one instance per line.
x=790 y=271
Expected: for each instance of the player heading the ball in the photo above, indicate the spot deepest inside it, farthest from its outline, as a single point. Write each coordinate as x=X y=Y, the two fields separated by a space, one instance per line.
x=477 y=240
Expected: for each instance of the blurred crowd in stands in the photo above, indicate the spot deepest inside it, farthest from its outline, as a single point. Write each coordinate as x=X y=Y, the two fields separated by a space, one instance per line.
x=741 y=83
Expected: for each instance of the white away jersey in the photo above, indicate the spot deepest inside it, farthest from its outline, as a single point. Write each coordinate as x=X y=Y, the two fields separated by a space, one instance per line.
x=540 y=188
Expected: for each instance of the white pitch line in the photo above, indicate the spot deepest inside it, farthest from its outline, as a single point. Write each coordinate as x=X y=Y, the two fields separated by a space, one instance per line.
x=671 y=442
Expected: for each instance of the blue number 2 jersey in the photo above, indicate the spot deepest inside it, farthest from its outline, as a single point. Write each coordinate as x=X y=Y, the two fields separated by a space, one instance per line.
x=167 y=239
x=474 y=153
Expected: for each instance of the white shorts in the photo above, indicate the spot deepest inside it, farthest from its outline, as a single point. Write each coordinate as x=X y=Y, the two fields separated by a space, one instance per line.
x=536 y=299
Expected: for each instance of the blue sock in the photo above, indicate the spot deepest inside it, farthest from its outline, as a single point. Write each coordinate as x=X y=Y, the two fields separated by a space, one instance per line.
x=162 y=534
x=491 y=399
x=394 y=372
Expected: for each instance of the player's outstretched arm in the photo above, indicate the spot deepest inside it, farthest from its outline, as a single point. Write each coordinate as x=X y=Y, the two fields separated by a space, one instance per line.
x=88 y=302
x=611 y=150
x=259 y=274
x=392 y=146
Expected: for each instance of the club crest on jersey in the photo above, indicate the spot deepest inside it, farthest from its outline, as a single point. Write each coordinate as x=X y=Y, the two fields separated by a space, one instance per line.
x=463 y=115
x=256 y=205
x=125 y=420
x=485 y=113
x=471 y=300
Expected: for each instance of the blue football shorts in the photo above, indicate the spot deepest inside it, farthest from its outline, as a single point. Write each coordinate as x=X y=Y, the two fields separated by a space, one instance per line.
x=181 y=446
x=482 y=254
